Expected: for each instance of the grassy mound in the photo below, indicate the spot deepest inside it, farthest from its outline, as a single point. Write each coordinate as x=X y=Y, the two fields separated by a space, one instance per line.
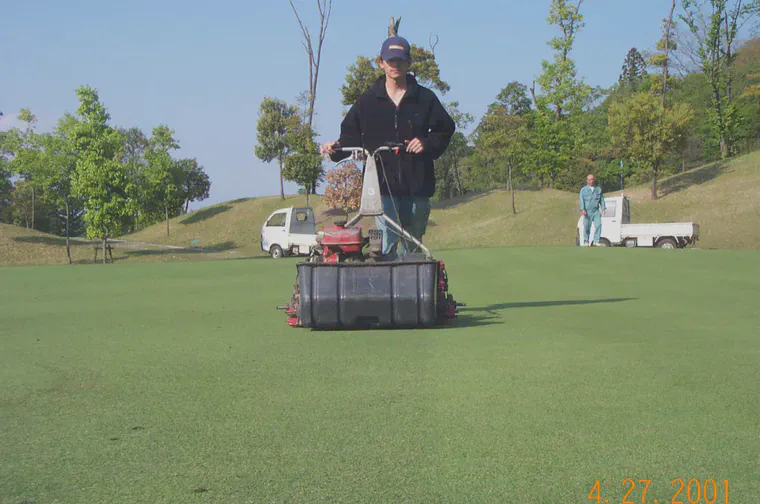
x=182 y=383
x=20 y=246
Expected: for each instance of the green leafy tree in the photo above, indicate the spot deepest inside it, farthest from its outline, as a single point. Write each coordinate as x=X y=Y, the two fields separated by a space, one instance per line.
x=634 y=70
x=562 y=96
x=364 y=72
x=195 y=183
x=100 y=179
x=666 y=46
x=25 y=163
x=645 y=132
x=448 y=167
x=162 y=176
x=58 y=171
x=502 y=139
x=5 y=176
x=716 y=36
x=276 y=121
x=303 y=163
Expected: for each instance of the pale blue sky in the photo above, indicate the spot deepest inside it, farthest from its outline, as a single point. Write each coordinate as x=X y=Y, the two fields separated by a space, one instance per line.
x=203 y=67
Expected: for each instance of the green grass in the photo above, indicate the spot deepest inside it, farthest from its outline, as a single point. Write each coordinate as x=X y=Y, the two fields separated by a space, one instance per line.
x=150 y=382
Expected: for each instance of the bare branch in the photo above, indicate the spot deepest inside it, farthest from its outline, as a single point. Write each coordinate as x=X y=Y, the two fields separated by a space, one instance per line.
x=433 y=44
x=298 y=18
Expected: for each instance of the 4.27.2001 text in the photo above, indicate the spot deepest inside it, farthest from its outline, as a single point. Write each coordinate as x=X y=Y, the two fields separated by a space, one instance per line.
x=692 y=491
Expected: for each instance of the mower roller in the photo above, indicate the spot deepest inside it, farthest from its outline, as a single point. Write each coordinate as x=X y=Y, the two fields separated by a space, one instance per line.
x=347 y=282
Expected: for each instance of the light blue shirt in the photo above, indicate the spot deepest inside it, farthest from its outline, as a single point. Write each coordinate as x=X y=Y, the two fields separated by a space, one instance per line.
x=591 y=199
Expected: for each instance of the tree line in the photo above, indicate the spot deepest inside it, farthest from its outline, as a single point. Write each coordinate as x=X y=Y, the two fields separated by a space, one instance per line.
x=88 y=177
x=691 y=99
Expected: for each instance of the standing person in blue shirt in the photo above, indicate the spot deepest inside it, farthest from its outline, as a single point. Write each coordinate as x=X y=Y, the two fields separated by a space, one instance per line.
x=592 y=207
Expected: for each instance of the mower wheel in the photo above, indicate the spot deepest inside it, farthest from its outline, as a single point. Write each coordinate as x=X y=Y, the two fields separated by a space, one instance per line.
x=276 y=252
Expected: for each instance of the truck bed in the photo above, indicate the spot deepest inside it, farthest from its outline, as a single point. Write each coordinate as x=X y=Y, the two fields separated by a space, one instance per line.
x=666 y=229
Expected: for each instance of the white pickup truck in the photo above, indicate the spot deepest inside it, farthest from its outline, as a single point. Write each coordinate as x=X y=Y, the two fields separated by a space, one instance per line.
x=289 y=231
x=617 y=230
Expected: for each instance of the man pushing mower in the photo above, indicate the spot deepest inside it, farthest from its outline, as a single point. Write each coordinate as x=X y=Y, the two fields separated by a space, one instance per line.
x=398 y=110
x=399 y=128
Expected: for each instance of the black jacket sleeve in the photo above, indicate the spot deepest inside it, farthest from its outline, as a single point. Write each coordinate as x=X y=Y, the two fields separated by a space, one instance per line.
x=350 y=132
x=441 y=128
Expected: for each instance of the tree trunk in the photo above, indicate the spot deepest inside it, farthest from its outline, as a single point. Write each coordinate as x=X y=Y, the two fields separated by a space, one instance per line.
x=654 y=183
x=307 y=195
x=105 y=242
x=512 y=189
x=282 y=184
x=187 y=206
x=33 y=204
x=68 y=238
x=459 y=181
x=667 y=53
x=166 y=215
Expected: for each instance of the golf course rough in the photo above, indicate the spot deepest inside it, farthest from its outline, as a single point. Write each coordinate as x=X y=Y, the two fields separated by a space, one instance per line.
x=181 y=382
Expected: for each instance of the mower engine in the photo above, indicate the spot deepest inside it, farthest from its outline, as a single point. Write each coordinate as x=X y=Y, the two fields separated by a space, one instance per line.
x=339 y=243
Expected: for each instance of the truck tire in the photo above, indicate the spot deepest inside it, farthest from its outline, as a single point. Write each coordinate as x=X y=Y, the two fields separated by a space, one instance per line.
x=276 y=252
x=667 y=243
x=604 y=242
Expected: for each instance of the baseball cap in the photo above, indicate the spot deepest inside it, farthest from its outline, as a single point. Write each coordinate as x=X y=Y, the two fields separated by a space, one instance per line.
x=395 y=47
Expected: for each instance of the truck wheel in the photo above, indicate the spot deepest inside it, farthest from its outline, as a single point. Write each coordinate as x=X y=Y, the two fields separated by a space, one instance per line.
x=667 y=243
x=604 y=242
x=275 y=251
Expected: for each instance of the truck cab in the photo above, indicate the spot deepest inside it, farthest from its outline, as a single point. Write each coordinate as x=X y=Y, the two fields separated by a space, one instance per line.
x=289 y=231
x=618 y=231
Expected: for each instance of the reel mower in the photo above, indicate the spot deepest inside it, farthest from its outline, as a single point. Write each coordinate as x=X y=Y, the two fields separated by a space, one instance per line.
x=347 y=282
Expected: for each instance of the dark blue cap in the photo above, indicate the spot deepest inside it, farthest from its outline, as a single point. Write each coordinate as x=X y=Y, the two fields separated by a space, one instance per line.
x=395 y=47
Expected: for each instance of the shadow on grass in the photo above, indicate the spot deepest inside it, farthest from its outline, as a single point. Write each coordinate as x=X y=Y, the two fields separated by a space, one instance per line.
x=202 y=215
x=51 y=240
x=683 y=181
x=544 y=304
x=240 y=200
x=211 y=249
x=458 y=200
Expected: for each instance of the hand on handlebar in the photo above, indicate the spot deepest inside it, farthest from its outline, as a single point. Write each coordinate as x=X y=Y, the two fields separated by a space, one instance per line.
x=415 y=146
x=327 y=148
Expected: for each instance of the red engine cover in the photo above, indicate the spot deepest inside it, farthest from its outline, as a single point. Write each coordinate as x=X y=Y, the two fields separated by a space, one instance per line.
x=337 y=236
x=339 y=239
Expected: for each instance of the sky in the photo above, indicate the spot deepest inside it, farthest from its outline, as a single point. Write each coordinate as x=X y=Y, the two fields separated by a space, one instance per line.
x=202 y=67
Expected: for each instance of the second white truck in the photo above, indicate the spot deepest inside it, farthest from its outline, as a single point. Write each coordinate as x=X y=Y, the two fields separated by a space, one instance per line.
x=617 y=230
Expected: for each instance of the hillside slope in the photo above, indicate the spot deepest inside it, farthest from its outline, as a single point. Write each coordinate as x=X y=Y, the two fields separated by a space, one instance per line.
x=721 y=197
x=19 y=246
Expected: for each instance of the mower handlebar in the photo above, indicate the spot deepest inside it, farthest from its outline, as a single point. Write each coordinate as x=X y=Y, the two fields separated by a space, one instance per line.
x=390 y=146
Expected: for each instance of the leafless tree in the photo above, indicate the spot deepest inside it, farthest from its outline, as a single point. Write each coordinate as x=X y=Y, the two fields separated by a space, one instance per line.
x=313 y=47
